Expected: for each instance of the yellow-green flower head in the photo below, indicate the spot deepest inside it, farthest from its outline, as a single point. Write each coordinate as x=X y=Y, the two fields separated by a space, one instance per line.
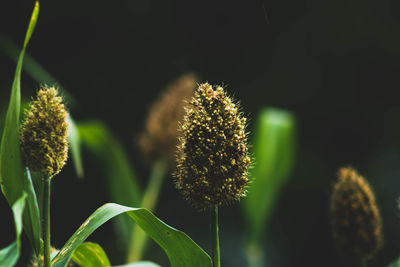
x=44 y=133
x=212 y=157
x=356 y=222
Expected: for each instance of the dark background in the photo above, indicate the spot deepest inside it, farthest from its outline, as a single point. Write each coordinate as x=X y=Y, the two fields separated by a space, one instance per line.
x=334 y=64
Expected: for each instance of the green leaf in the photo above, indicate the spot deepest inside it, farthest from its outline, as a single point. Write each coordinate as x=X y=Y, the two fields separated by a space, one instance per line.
x=140 y=264
x=121 y=178
x=180 y=249
x=138 y=240
x=273 y=150
x=33 y=68
x=90 y=254
x=396 y=263
x=38 y=185
x=32 y=24
x=1 y=127
x=11 y=168
x=74 y=142
x=40 y=75
x=9 y=255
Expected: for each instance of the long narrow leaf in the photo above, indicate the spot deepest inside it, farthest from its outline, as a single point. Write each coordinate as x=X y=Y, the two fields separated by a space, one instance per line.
x=121 y=178
x=273 y=149
x=74 y=142
x=42 y=76
x=11 y=168
x=32 y=67
x=90 y=254
x=396 y=263
x=180 y=249
x=9 y=255
x=140 y=264
x=2 y=119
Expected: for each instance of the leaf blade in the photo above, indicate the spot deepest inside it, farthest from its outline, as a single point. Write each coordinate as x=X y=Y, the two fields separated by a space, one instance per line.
x=11 y=168
x=32 y=24
x=180 y=249
x=90 y=254
x=74 y=143
x=395 y=263
x=33 y=68
x=273 y=149
x=140 y=264
x=120 y=176
x=10 y=254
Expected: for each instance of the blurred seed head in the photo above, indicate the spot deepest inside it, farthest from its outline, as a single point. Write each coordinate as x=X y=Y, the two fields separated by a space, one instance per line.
x=356 y=222
x=44 y=133
x=160 y=137
x=212 y=157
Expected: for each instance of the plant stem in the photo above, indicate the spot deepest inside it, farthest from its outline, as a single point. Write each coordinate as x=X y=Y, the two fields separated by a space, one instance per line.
x=215 y=237
x=46 y=222
x=138 y=237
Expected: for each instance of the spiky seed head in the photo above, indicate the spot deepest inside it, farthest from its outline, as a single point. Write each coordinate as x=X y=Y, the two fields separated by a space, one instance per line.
x=212 y=157
x=356 y=222
x=44 y=133
x=160 y=137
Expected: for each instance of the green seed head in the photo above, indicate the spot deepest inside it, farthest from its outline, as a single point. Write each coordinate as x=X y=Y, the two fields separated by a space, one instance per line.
x=356 y=223
x=160 y=138
x=44 y=133
x=212 y=158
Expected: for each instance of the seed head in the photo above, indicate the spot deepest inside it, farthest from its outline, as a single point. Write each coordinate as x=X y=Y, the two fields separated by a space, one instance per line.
x=356 y=222
x=212 y=158
x=44 y=133
x=160 y=137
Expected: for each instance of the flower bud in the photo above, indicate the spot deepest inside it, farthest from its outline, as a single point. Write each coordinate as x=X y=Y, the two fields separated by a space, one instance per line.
x=44 y=133
x=212 y=157
x=356 y=223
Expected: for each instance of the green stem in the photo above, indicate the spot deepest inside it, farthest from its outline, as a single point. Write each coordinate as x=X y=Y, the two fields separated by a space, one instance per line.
x=138 y=237
x=215 y=237
x=46 y=222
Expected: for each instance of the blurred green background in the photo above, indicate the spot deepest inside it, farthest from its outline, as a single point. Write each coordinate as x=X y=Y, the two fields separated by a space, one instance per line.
x=333 y=64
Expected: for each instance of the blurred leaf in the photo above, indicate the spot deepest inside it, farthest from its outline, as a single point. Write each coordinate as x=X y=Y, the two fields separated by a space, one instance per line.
x=74 y=142
x=15 y=181
x=180 y=249
x=32 y=67
x=396 y=263
x=273 y=150
x=9 y=255
x=140 y=264
x=90 y=254
x=121 y=178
